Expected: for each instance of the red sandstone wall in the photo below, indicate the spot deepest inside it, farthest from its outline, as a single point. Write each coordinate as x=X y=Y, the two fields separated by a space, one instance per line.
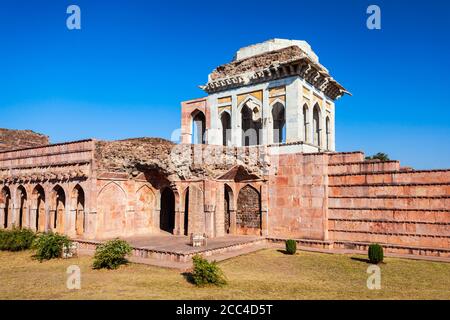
x=298 y=196
x=377 y=202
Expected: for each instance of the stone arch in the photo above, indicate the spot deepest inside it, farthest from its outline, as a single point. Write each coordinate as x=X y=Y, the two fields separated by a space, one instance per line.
x=40 y=219
x=145 y=208
x=225 y=120
x=198 y=129
x=328 y=132
x=78 y=205
x=279 y=122
x=248 y=215
x=111 y=206
x=306 y=123
x=22 y=199
x=228 y=207
x=251 y=121
x=5 y=207
x=316 y=125
x=167 y=213
x=57 y=209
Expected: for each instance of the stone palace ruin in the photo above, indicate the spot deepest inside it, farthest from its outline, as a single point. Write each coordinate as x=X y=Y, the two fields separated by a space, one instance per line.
x=257 y=157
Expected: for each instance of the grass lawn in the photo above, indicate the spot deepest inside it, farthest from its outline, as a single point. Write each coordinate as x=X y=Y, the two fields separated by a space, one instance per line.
x=267 y=274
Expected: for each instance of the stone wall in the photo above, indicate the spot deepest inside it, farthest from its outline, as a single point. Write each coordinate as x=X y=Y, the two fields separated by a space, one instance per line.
x=380 y=202
x=18 y=139
x=298 y=196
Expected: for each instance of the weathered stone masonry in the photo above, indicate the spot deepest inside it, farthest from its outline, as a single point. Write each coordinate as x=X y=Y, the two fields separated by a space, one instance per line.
x=284 y=181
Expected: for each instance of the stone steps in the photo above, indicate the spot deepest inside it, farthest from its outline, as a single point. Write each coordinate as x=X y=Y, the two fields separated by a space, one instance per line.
x=363 y=166
x=400 y=202
x=386 y=189
x=400 y=215
x=391 y=177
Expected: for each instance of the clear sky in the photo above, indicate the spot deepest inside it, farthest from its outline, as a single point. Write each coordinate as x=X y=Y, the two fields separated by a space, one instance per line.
x=125 y=72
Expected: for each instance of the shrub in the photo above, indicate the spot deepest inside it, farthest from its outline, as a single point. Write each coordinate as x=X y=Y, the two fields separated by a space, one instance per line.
x=50 y=245
x=16 y=239
x=207 y=273
x=291 y=246
x=375 y=253
x=111 y=254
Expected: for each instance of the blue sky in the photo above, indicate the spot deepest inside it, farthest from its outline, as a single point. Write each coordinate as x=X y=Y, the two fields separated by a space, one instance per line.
x=126 y=71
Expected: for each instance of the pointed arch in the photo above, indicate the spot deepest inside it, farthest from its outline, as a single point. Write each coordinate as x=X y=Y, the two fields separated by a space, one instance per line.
x=225 y=121
x=279 y=122
x=198 y=129
x=39 y=218
x=111 y=206
x=22 y=199
x=145 y=208
x=228 y=207
x=167 y=213
x=317 y=125
x=78 y=204
x=5 y=206
x=248 y=215
x=251 y=121
x=57 y=209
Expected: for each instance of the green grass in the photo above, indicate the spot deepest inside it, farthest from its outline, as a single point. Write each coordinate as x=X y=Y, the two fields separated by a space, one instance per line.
x=267 y=274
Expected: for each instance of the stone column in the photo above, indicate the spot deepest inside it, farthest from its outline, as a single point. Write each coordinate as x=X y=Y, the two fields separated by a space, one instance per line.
x=209 y=220
x=264 y=211
x=220 y=212
x=232 y=221
x=32 y=221
x=266 y=136
x=236 y=123
x=292 y=109
x=178 y=230
x=2 y=215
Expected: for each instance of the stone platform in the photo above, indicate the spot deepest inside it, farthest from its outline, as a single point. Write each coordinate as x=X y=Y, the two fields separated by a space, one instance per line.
x=176 y=252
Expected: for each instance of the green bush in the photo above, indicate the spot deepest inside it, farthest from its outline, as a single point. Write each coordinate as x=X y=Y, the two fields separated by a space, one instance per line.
x=291 y=246
x=111 y=254
x=376 y=253
x=207 y=273
x=16 y=239
x=50 y=245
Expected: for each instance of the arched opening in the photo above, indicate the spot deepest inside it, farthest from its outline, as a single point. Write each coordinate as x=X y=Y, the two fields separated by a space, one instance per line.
x=22 y=196
x=248 y=215
x=167 y=215
x=279 y=123
x=225 y=119
x=251 y=125
x=39 y=203
x=198 y=128
x=306 y=123
x=5 y=200
x=228 y=207
x=328 y=132
x=186 y=213
x=78 y=205
x=316 y=125
x=58 y=209
x=112 y=208
x=145 y=205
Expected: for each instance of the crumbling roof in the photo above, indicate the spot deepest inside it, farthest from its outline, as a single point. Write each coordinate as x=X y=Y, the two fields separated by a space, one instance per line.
x=175 y=161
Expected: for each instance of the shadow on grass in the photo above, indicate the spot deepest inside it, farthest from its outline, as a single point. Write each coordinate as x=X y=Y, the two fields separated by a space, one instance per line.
x=361 y=260
x=189 y=278
x=286 y=253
